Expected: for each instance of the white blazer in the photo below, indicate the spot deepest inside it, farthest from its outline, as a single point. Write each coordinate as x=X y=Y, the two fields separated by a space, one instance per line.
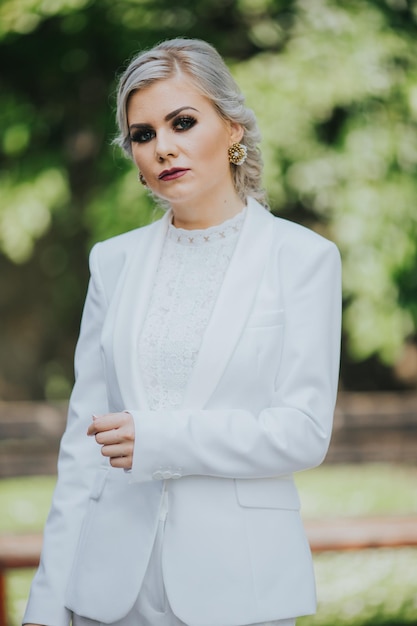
x=258 y=407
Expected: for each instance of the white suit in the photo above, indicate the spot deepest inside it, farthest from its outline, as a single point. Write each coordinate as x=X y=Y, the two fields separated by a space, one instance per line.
x=258 y=407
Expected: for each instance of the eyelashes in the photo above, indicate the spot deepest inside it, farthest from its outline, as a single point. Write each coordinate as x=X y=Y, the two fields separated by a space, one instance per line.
x=147 y=133
x=184 y=122
x=142 y=135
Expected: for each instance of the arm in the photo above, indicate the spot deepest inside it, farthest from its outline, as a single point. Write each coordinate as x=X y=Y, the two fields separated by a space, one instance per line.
x=293 y=431
x=78 y=459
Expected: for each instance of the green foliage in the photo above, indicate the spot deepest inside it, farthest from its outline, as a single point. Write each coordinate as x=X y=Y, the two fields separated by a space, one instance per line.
x=28 y=210
x=334 y=86
x=368 y=588
x=338 y=112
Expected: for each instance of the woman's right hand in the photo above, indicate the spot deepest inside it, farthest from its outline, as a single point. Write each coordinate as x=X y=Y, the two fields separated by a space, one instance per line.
x=115 y=433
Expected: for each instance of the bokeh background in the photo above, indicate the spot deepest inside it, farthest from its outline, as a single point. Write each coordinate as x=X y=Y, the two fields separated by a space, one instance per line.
x=334 y=87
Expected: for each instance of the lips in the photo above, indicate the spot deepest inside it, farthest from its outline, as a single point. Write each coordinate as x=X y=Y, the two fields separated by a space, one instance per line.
x=172 y=174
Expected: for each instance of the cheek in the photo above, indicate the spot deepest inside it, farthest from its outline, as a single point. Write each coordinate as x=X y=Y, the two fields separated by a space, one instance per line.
x=214 y=149
x=139 y=159
x=210 y=142
x=134 y=155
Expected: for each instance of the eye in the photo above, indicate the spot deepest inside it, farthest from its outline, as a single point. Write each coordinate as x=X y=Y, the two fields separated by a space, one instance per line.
x=142 y=135
x=185 y=122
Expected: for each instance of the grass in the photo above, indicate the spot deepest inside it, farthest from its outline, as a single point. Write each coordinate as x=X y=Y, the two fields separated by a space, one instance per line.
x=371 y=489
x=370 y=587
x=367 y=588
x=24 y=503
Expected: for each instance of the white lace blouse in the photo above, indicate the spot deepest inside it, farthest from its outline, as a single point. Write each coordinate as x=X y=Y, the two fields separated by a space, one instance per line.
x=190 y=273
x=189 y=276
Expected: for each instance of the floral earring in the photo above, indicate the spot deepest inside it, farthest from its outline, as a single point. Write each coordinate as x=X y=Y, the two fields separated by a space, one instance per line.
x=237 y=153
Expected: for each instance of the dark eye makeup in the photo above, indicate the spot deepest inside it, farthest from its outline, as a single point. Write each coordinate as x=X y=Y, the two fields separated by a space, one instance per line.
x=184 y=122
x=143 y=134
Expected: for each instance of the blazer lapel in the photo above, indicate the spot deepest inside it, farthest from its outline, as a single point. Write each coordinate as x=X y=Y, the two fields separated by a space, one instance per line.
x=132 y=307
x=233 y=305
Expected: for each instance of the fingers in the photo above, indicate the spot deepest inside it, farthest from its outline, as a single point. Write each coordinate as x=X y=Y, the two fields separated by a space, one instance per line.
x=119 y=455
x=115 y=433
x=122 y=462
x=103 y=423
x=114 y=451
x=109 y=437
x=110 y=421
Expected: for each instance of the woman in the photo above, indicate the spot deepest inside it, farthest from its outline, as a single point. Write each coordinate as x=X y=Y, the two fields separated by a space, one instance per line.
x=208 y=360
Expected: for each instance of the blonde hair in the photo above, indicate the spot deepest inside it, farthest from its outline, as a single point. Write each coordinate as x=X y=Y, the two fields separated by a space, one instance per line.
x=204 y=65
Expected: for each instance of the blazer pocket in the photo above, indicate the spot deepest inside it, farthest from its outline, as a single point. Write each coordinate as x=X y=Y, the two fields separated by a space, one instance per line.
x=268 y=493
x=263 y=319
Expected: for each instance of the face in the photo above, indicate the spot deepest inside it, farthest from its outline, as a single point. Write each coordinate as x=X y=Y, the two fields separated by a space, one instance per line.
x=179 y=143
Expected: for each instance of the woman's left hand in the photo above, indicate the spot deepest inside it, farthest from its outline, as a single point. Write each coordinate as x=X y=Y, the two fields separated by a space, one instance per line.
x=115 y=433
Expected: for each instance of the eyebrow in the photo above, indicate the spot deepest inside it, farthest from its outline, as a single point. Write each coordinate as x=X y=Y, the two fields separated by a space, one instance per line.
x=167 y=117
x=171 y=115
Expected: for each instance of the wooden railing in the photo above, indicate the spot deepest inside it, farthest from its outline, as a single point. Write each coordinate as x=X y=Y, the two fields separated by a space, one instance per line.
x=368 y=427
x=374 y=427
x=378 y=427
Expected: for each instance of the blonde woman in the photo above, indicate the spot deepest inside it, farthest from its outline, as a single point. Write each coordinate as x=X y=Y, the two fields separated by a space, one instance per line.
x=206 y=375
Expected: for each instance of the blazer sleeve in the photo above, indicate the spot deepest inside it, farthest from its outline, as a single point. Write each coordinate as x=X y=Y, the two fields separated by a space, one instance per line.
x=78 y=459
x=293 y=432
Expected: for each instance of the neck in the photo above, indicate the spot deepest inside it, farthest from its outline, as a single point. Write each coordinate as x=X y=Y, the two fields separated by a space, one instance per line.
x=190 y=218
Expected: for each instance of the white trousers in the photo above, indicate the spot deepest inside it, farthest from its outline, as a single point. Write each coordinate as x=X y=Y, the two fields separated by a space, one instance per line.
x=152 y=607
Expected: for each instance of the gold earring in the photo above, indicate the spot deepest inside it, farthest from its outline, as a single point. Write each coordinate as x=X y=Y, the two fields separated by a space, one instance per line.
x=237 y=153
x=142 y=179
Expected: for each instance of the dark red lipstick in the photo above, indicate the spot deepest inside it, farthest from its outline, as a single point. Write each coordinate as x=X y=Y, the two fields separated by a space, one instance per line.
x=172 y=174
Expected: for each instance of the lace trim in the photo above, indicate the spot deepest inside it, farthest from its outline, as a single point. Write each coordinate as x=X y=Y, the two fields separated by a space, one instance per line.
x=203 y=236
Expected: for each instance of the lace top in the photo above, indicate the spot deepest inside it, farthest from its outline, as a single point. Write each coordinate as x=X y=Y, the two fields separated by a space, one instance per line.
x=189 y=276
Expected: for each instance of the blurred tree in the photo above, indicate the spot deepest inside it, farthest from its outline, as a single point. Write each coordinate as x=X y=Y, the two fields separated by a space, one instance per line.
x=334 y=87
x=339 y=111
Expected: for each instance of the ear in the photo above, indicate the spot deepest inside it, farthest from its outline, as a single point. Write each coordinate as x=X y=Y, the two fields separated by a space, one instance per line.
x=236 y=132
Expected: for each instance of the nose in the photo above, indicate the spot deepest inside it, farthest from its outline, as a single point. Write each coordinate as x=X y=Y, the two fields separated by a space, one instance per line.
x=165 y=146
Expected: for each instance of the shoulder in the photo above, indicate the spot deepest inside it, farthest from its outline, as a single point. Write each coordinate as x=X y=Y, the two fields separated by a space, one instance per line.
x=300 y=238
x=126 y=242
x=124 y=245
x=302 y=256
x=293 y=237
x=109 y=259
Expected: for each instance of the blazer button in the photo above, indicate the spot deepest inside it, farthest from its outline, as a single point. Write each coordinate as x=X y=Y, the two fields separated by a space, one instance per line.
x=157 y=475
x=175 y=475
x=167 y=474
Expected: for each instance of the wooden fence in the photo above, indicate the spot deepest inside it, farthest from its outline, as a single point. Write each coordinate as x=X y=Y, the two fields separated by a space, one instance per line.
x=368 y=427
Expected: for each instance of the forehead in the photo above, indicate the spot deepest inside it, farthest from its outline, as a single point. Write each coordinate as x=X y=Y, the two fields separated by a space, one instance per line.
x=166 y=95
